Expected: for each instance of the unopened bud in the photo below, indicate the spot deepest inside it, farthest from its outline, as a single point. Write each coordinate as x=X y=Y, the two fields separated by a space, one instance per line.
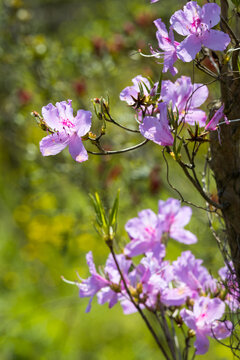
x=115 y=287
x=191 y=333
x=91 y=135
x=139 y=288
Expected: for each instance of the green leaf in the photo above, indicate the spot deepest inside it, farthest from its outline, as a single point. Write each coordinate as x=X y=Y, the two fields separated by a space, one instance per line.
x=146 y=87
x=151 y=81
x=105 y=225
x=159 y=88
x=114 y=212
x=141 y=89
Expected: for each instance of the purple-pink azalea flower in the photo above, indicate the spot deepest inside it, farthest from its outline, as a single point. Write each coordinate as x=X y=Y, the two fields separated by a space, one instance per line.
x=108 y=287
x=173 y=219
x=156 y=128
x=131 y=92
x=204 y=320
x=90 y=286
x=196 y=23
x=153 y=1
x=168 y=45
x=145 y=233
x=219 y=114
x=185 y=98
x=146 y=230
x=152 y=276
x=67 y=130
x=189 y=271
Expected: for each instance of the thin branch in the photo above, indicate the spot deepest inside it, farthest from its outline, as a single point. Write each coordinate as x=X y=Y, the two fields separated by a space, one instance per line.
x=199 y=188
x=233 y=36
x=121 y=126
x=137 y=306
x=116 y=123
x=178 y=192
x=167 y=334
x=114 y=152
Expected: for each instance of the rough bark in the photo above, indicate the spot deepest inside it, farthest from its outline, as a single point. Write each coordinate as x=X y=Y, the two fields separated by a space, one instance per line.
x=225 y=155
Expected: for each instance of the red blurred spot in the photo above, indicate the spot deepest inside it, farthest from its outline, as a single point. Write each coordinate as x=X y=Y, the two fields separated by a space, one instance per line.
x=24 y=96
x=99 y=45
x=129 y=28
x=114 y=174
x=145 y=19
x=117 y=44
x=155 y=181
x=80 y=87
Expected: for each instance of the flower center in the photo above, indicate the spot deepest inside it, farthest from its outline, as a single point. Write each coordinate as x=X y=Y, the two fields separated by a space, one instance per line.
x=151 y=231
x=67 y=123
x=198 y=28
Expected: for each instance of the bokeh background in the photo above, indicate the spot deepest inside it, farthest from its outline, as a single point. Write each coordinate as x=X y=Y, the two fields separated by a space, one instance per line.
x=53 y=50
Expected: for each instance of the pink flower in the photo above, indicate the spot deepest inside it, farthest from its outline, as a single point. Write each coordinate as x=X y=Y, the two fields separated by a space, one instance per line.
x=131 y=92
x=173 y=218
x=157 y=128
x=219 y=114
x=196 y=23
x=168 y=45
x=68 y=130
x=145 y=233
x=186 y=98
x=204 y=320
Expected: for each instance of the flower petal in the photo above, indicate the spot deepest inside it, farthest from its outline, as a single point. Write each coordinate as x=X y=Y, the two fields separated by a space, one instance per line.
x=137 y=247
x=152 y=129
x=199 y=95
x=201 y=344
x=188 y=48
x=179 y=23
x=51 y=117
x=194 y=116
x=157 y=128
x=183 y=236
x=189 y=318
x=76 y=149
x=216 y=40
x=54 y=143
x=83 y=122
x=219 y=114
x=211 y=14
x=183 y=216
x=221 y=329
x=65 y=110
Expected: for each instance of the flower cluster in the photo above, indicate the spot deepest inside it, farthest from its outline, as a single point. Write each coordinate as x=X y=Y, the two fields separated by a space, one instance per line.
x=184 y=288
x=196 y=24
x=151 y=105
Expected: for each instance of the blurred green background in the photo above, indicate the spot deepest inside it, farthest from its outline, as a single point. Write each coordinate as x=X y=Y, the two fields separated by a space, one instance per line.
x=53 y=50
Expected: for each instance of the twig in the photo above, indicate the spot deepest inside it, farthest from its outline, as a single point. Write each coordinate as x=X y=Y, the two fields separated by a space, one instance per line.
x=178 y=192
x=136 y=305
x=199 y=188
x=114 y=152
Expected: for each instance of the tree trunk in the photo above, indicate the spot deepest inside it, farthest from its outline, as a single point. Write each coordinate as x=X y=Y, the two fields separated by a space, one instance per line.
x=225 y=154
